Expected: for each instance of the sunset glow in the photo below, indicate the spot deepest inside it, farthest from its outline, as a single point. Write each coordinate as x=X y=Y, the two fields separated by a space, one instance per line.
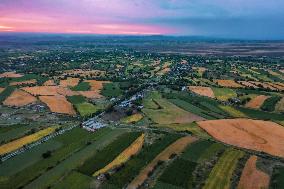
x=174 y=17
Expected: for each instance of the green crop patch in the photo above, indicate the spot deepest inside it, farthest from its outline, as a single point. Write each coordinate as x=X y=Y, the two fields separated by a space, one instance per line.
x=179 y=173
x=6 y=93
x=269 y=104
x=83 y=86
x=224 y=94
x=111 y=90
x=132 y=167
x=220 y=175
x=107 y=154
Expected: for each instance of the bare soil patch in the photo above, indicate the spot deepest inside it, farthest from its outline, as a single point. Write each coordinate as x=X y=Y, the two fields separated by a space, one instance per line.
x=69 y=82
x=252 y=178
x=49 y=83
x=258 y=135
x=19 y=98
x=228 y=83
x=10 y=75
x=49 y=91
x=248 y=84
x=263 y=85
x=256 y=102
x=203 y=91
x=58 y=104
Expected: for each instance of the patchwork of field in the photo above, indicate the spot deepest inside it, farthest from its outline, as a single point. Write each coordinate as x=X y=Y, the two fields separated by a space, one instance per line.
x=252 y=177
x=58 y=104
x=262 y=136
x=203 y=91
x=19 y=98
x=256 y=102
x=96 y=85
x=124 y=156
x=228 y=83
x=177 y=147
x=14 y=145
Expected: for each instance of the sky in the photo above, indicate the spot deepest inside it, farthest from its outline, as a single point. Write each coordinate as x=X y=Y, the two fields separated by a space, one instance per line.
x=247 y=19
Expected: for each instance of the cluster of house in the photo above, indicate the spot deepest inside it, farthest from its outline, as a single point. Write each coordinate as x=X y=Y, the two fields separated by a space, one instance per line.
x=93 y=124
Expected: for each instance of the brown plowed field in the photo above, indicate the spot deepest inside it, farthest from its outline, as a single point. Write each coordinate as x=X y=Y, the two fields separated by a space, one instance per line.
x=175 y=148
x=228 y=83
x=258 y=135
x=19 y=98
x=252 y=178
x=49 y=91
x=69 y=82
x=58 y=104
x=10 y=75
x=256 y=102
x=49 y=83
x=96 y=85
x=203 y=91
x=248 y=84
x=263 y=85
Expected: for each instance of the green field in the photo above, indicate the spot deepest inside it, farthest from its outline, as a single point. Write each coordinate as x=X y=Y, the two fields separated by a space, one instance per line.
x=70 y=142
x=258 y=114
x=83 y=86
x=277 y=180
x=221 y=174
x=100 y=140
x=132 y=167
x=224 y=94
x=82 y=106
x=111 y=90
x=87 y=109
x=74 y=180
x=189 y=127
x=232 y=111
x=269 y=104
x=27 y=159
x=166 y=114
x=179 y=174
x=6 y=93
x=107 y=154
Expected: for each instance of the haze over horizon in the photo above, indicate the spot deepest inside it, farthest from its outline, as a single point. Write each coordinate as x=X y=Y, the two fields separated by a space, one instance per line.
x=252 y=19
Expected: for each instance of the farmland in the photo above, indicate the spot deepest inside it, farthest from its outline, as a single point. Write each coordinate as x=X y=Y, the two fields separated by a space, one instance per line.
x=114 y=112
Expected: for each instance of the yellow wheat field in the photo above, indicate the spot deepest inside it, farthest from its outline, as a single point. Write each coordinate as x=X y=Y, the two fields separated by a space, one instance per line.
x=14 y=145
x=133 y=149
